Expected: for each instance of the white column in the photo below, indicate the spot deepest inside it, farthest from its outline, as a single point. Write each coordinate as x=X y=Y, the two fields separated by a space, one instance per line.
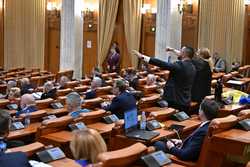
x=71 y=49
x=168 y=28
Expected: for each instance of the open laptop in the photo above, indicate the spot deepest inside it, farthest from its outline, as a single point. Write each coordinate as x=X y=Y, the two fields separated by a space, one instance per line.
x=131 y=127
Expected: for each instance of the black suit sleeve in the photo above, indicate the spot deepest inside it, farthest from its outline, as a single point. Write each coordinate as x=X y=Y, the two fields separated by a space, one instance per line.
x=192 y=152
x=164 y=65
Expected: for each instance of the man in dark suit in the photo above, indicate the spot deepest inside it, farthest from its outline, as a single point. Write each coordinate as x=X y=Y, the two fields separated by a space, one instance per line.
x=96 y=83
x=27 y=104
x=9 y=159
x=202 y=82
x=190 y=148
x=177 y=91
x=123 y=101
x=26 y=86
x=49 y=91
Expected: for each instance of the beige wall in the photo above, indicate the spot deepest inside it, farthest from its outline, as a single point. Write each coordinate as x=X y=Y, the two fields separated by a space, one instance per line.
x=24 y=33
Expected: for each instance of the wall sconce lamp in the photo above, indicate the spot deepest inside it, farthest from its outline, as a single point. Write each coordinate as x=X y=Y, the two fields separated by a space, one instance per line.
x=53 y=9
x=53 y=6
x=185 y=6
x=247 y=2
x=89 y=14
x=147 y=9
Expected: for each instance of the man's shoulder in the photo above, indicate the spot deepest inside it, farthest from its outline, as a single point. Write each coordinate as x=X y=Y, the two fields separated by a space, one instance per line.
x=15 y=155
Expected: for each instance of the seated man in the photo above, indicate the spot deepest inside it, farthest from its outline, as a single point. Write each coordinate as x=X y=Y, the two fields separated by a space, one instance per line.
x=9 y=159
x=27 y=104
x=151 y=79
x=132 y=78
x=96 y=83
x=62 y=82
x=219 y=63
x=26 y=87
x=123 y=101
x=74 y=103
x=10 y=84
x=190 y=148
x=49 y=91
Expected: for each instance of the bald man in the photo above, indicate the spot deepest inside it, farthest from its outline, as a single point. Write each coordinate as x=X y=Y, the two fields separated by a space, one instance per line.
x=27 y=104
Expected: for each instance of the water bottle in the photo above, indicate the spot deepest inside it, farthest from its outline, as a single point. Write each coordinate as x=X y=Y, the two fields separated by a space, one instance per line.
x=143 y=121
x=3 y=146
x=27 y=119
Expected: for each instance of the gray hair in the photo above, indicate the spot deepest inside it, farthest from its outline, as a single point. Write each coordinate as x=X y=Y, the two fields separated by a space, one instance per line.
x=48 y=86
x=96 y=82
x=74 y=99
x=11 y=84
x=151 y=78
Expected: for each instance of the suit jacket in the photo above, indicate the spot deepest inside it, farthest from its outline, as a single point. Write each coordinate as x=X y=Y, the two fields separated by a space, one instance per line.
x=90 y=94
x=113 y=61
x=26 y=89
x=191 y=147
x=26 y=109
x=14 y=159
x=202 y=82
x=123 y=102
x=178 y=88
x=50 y=94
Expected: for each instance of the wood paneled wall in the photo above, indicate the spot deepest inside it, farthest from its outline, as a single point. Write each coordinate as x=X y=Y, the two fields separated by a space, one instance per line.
x=52 y=50
x=246 y=52
x=190 y=26
x=1 y=33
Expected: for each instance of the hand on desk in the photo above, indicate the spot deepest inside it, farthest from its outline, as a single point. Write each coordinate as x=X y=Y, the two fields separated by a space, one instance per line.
x=105 y=104
x=174 y=143
x=169 y=144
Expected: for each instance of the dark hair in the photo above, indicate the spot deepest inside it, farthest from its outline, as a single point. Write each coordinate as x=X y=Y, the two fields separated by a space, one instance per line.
x=189 y=51
x=97 y=69
x=4 y=122
x=120 y=84
x=117 y=50
x=210 y=108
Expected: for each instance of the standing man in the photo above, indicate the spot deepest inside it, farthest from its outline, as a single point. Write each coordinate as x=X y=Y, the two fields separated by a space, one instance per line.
x=114 y=58
x=177 y=91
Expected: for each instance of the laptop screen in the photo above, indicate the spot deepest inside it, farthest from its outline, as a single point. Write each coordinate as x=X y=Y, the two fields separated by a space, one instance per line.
x=130 y=118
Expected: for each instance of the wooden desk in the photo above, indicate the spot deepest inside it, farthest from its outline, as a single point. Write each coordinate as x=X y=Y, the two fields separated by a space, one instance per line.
x=64 y=137
x=234 y=142
x=30 y=130
x=60 y=111
x=66 y=162
x=120 y=140
x=231 y=109
x=217 y=75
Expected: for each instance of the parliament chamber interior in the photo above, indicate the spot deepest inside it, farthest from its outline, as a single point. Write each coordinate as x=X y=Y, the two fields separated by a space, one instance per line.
x=124 y=83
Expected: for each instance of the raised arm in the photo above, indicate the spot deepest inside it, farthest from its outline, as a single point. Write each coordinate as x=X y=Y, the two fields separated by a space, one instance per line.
x=157 y=62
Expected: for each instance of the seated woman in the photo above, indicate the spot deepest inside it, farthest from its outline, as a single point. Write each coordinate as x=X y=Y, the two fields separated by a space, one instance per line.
x=14 y=94
x=10 y=84
x=86 y=145
x=49 y=91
